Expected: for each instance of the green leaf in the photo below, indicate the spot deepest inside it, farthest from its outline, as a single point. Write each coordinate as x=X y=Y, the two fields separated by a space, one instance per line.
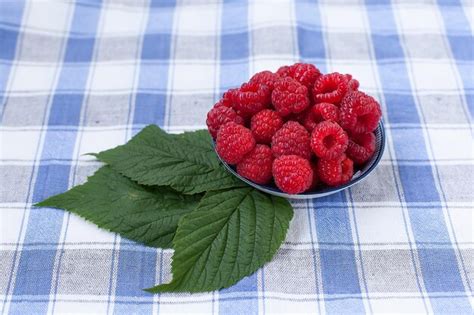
x=186 y=162
x=148 y=215
x=229 y=236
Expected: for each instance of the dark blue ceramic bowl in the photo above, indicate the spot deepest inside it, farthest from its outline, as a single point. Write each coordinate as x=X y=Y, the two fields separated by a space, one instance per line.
x=358 y=176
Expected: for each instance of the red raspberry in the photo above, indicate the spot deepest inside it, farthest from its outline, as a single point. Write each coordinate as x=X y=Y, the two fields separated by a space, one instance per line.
x=264 y=124
x=352 y=83
x=233 y=142
x=257 y=165
x=289 y=96
x=328 y=140
x=330 y=88
x=251 y=98
x=292 y=138
x=325 y=111
x=360 y=113
x=220 y=115
x=309 y=121
x=265 y=77
x=292 y=174
x=318 y=113
x=304 y=73
x=228 y=98
x=284 y=71
x=336 y=171
x=361 y=147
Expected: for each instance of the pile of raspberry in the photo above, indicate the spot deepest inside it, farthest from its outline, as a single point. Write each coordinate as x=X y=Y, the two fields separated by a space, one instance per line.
x=297 y=127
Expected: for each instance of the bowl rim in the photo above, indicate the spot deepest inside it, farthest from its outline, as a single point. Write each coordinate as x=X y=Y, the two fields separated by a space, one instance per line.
x=321 y=193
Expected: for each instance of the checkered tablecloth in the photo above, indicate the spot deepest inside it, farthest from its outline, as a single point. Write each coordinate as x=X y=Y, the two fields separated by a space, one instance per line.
x=83 y=76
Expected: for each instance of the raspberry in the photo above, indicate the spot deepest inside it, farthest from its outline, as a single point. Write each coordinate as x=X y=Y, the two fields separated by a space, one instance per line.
x=328 y=140
x=352 y=83
x=360 y=113
x=220 y=115
x=265 y=77
x=336 y=171
x=264 y=124
x=251 y=98
x=289 y=96
x=309 y=121
x=284 y=71
x=361 y=147
x=304 y=73
x=257 y=165
x=228 y=98
x=330 y=88
x=325 y=111
x=233 y=142
x=292 y=174
x=292 y=138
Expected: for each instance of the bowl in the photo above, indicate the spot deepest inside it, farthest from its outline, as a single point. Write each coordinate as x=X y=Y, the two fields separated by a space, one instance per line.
x=358 y=176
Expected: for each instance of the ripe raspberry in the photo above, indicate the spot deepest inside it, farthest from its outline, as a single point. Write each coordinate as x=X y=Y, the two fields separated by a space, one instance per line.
x=233 y=142
x=265 y=77
x=330 y=88
x=328 y=140
x=361 y=147
x=304 y=73
x=292 y=138
x=309 y=120
x=352 y=83
x=292 y=174
x=251 y=98
x=289 y=96
x=360 y=113
x=220 y=115
x=228 y=98
x=264 y=124
x=318 y=113
x=257 y=165
x=325 y=111
x=336 y=171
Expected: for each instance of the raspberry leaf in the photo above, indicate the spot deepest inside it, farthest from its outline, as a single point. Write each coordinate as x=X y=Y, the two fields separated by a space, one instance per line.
x=186 y=162
x=147 y=215
x=228 y=236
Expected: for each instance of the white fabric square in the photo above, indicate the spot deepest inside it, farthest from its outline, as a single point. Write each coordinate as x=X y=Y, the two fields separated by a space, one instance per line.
x=18 y=145
x=274 y=13
x=96 y=141
x=398 y=306
x=416 y=19
x=450 y=144
x=10 y=224
x=113 y=77
x=44 y=16
x=193 y=19
x=120 y=21
x=299 y=231
x=28 y=78
x=68 y=306
x=80 y=230
x=194 y=77
x=436 y=76
x=186 y=308
x=462 y=220
x=287 y=306
x=335 y=18
x=380 y=225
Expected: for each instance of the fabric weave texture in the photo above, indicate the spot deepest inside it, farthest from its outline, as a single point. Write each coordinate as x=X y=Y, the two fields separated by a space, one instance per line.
x=83 y=76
